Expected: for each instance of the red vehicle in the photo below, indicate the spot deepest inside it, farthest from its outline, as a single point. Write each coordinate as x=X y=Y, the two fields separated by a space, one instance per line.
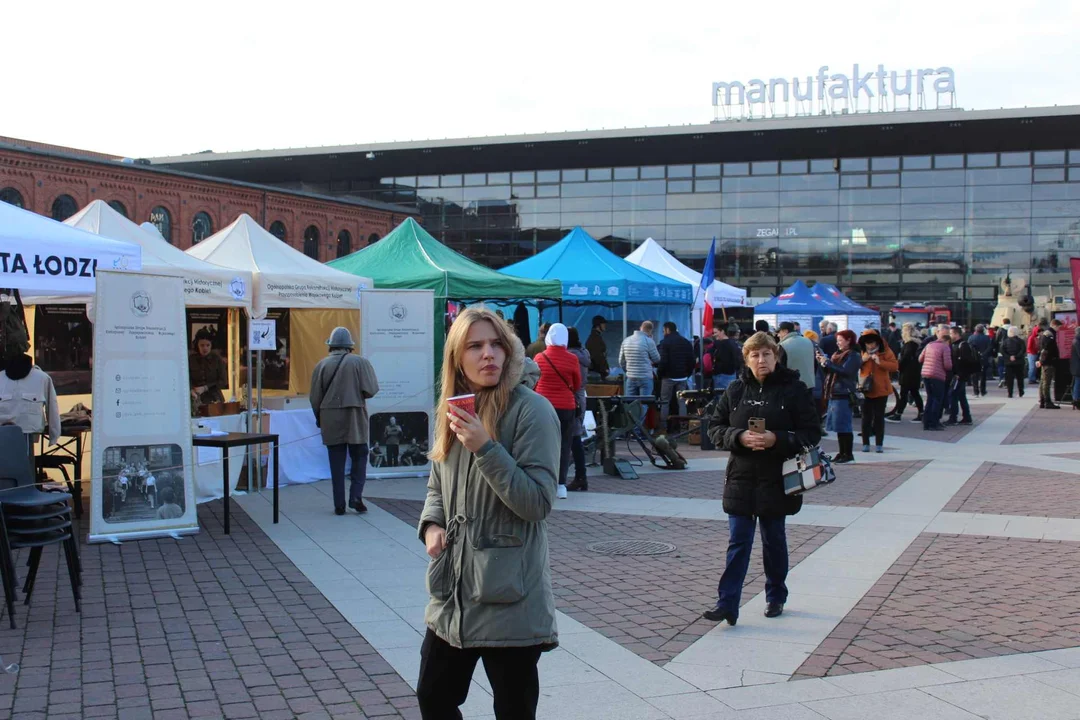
x=925 y=313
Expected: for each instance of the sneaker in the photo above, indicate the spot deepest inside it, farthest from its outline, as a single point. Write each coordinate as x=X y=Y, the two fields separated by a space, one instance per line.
x=579 y=485
x=966 y=421
x=918 y=419
x=879 y=449
x=950 y=421
x=561 y=494
x=894 y=418
x=843 y=459
x=866 y=448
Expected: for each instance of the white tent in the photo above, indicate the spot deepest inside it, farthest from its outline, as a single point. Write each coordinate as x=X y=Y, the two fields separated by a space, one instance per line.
x=41 y=257
x=283 y=276
x=205 y=284
x=652 y=256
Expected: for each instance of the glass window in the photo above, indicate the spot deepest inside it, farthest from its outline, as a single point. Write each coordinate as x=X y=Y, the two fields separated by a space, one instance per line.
x=626 y=173
x=823 y=166
x=712 y=170
x=1074 y=157
x=984 y=210
x=573 y=219
x=808 y=214
x=854 y=181
x=641 y=187
x=885 y=179
x=592 y=189
x=1051 y=157
x=709 y=186
x=475 y=179
x=679 y=217
x=311 y=242
x=1055 y=208
x=653 y=172
x=202 y=227
x=63 y=207
x=809 y=197
x=427 y=181
x=809 y=182
x=982 y=160
x=277 y=229
x=868 y=229
x=451 y=181
x=1074 y=174
x=680 y=186
x=917 y=162
x=948 y=161
x=950 y=231
x=854 y=165
x=751 y=199
x=997 y=193
x=405 y=181
x=644 y=202
x=932 y=178
x=680 y=171
x=162 y=220
x=1015 y=159
x=793 y=167
x=547 y=176
x=750 y=215
x=866 y=213
x=1050 y=175
x=12 y=197
x=487 y=193
x=638 y=218
x=750 y=184
x=344 y=243
x=1000 y=176
x=885 y=164
x=599 y=174
x=587 y=204
x=573 y=176
x=695 y=201
x=934 y=211
x=544 y=191
x=735 y=169
x=373 y=238
x=523 y=191
x=498 y=178
x=118 y=207
x=765 y=168
x=1056 y=192
x=869 y=197
x=524 y=177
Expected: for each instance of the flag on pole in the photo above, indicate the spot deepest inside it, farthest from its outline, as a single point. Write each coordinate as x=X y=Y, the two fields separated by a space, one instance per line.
x=708 y=276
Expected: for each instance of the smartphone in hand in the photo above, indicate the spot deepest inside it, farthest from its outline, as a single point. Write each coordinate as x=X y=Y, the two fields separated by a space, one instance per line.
x=757 y=425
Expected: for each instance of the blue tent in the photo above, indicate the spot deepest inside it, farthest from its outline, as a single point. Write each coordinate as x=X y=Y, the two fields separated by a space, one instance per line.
x=798 y=300
x=849 y=306
x=596 y=281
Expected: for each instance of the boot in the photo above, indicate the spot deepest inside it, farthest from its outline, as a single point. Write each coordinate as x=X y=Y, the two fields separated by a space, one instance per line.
x=580 y=484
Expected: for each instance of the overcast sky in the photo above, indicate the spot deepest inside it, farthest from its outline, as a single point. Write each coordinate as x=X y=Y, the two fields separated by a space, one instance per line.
x=147 y=79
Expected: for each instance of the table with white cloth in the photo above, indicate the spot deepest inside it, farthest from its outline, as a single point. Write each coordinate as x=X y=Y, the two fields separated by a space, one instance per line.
x=208 y=470
x=302 y=454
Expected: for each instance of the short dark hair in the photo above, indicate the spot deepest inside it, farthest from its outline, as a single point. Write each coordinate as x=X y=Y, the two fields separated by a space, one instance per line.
x=598 y=320
x=574 y=339
x=671 y=326
x=892 y=325
x=719 y=324
x=789 y=326
x=761 y=326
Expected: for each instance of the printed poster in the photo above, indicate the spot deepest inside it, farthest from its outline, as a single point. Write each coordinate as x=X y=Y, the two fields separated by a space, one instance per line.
x=141 y=460
x=275 y=363
x=63 y=345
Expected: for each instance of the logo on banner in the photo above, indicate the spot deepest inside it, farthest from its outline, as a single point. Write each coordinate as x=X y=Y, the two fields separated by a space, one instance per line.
x=140 y=304
x=236 y=287
x=360 y=291
x=398 y=312
x=120 y=263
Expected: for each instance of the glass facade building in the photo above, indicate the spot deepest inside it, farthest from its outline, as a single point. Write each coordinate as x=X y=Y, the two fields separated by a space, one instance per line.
x=938 y=227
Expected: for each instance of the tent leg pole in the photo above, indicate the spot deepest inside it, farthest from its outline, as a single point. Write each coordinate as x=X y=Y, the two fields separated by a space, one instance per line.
x=625 y=322
x=258 y=409
x=250 y=399
x=560 y=311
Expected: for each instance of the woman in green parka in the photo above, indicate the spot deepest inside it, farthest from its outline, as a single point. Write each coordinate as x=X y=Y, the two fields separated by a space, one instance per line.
x=492 y=484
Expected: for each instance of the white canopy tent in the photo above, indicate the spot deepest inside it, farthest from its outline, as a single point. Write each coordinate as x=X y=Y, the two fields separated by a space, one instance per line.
x=205 y=284
x=652 y=256
x=42 y=257
x=283 y=277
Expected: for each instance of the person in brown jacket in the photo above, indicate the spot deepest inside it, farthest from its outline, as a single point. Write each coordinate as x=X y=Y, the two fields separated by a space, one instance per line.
x=879 y=361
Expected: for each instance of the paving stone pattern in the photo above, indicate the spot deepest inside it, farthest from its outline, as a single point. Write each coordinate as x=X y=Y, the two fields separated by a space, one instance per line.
x=210 y=626
x=651 y=605
x=951 y=434
x=1046 y=426
x=998 y=489
x=952 y=597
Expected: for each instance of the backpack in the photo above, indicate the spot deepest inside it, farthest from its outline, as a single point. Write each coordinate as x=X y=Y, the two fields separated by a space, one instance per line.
x=969 y=361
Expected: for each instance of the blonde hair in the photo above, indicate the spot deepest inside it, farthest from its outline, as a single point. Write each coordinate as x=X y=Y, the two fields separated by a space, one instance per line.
x=760 y=341
x=907 y=331
x=491 y=403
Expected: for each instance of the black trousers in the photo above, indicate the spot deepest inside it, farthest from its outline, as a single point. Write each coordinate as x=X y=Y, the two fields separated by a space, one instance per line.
x=566 y=428
x=357 y=473
x=446 y=671
x=392 y=455
x=1015 y=374
x=873 y=419
x=908 y=392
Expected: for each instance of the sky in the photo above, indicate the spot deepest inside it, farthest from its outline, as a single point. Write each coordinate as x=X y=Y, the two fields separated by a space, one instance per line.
x=146 y=79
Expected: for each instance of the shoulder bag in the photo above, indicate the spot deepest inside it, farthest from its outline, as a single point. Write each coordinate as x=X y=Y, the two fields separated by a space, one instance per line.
x=807 y=470
x=577 y=400
x=325 y=388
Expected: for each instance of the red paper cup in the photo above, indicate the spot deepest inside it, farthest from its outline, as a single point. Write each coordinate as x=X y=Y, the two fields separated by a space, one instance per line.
x=464 y=402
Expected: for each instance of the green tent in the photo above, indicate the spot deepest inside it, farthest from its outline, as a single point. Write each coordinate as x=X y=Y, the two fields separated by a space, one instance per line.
x=409 y=258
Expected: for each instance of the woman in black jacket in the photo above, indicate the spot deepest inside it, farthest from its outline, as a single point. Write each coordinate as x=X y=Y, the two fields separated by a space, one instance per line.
x=1014 y=349
x=910 y=375
x=754 y=487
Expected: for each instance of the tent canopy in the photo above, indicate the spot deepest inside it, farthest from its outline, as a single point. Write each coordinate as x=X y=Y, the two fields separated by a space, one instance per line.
x=39 y=256
x=651 y=255
x=283 y=276
x=205 y=284
x=798 y=300
x=847 y=305
x=590 y=273
x=409 y=258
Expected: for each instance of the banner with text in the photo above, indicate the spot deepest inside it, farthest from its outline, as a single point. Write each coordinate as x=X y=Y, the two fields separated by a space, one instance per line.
x=397 y=336
x=142 y=460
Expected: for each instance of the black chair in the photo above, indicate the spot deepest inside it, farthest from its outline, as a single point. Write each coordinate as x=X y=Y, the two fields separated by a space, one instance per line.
x=30 y=519
x=58 y=461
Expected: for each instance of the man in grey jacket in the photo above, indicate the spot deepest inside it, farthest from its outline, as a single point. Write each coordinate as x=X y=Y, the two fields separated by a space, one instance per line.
x=637 y=356
x=341 y=385
x=799 y=351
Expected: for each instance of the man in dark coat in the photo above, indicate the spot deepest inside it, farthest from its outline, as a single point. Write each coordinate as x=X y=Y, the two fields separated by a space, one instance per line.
x=677 y=363
x=598 y=348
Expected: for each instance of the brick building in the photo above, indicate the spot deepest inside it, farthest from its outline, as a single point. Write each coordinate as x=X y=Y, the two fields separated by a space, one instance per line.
x=186 y=208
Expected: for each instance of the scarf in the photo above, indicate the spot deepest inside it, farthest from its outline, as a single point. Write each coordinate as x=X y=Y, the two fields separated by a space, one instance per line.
x=837 y=358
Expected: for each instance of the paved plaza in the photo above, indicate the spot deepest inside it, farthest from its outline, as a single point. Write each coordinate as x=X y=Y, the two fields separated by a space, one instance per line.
x=937 y=580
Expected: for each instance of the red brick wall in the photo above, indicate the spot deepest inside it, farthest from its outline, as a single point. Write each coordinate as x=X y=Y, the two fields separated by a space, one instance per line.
x=40 y=179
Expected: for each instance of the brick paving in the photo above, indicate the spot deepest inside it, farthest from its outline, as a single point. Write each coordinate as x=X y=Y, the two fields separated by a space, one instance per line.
x=858 y=485
x=650 y=605
x=1011 y=490
x=1046 y=426
x=951 y=434
x=952 y=597
x=211 y=626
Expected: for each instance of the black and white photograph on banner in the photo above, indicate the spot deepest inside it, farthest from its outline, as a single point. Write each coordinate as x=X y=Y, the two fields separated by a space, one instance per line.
x=275 y=364
x=398 y=439
x=142 y=482
x=63 y=344
x=212 y=324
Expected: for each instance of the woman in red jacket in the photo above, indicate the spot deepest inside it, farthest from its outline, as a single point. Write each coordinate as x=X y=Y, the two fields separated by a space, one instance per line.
x=560 y=380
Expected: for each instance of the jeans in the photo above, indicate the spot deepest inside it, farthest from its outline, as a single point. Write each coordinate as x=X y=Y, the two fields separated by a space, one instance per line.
x=873 y=420
x=978 y=380
x=935 y=402
x=720 y=382
x=357 y=474
x=566 y=428
x=958 y=401
x=1046 y=385
x=740 y=543
x=446 y=672
x=1076 y=390
x=1001 y=367
x=1032 y=370
x=668 y=392
x=638 y=387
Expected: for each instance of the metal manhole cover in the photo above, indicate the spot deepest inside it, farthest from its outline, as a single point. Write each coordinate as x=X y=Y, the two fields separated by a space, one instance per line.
x=631 y=547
